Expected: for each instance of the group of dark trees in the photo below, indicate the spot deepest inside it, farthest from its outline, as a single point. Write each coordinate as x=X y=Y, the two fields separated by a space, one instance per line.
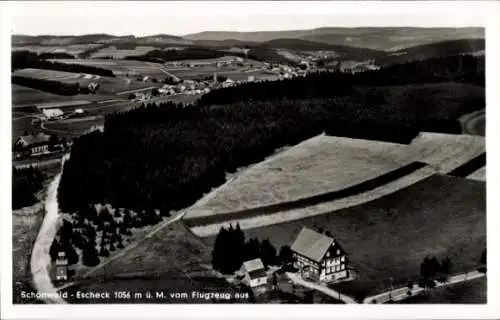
x=25 y=184
x=190 y=53
x=431 y=268
x=87 y=222
x=27 y=59
x=219 y=78
x=197 y=53
x=51 y=86
x=55 y=55
x=482 y=262
x=90 y=51
x=231 y=250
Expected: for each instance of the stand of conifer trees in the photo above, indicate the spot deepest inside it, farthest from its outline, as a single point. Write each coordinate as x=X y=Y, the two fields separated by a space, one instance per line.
x=231 y=250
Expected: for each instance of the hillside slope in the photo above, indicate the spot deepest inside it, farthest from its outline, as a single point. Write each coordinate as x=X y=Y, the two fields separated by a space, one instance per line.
x=373 y=38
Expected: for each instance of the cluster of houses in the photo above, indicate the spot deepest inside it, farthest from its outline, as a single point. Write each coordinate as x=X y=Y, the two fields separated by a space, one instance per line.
x=219 y=62
x=49 y=114
x=317 y=257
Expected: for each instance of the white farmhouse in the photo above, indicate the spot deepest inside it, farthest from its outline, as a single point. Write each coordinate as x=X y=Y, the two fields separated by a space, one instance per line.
x=319 y=257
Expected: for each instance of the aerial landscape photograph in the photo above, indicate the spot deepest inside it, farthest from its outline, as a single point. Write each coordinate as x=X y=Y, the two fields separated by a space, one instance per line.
x=252 y=163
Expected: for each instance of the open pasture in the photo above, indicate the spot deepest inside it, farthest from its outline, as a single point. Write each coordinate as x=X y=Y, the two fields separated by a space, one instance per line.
x=446 y=152
x=116 y=53
x=66 y=77
x=108 y=85
x=24 y=96
x=389 y=237
x=324 y=164
x=312 y=167
x=73 y=49
x=73 y=128
x=124 y=67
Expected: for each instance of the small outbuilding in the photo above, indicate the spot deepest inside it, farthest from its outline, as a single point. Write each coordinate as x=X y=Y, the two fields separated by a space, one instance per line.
x=255 y=273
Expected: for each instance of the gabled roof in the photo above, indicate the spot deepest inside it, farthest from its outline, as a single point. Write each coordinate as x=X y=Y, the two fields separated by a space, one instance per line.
x=253 y=265
x=33 y=139
x=261 y=273
x=312 y=244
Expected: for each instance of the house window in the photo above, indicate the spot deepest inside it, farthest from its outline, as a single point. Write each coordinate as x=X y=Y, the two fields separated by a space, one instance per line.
x=336 y=268
x=338 y=251
x=342 y=266
x=342 y=259
x=327 y=254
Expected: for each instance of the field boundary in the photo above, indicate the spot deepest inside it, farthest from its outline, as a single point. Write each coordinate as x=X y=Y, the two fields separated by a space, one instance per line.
x=469 y=167
x=309 y=201
x=319 y=209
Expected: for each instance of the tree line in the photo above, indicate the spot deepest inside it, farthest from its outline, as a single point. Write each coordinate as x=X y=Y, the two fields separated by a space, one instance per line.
x=190 y=53
x=457 y=69
x=25 y=185
x=231 y=249
x=51 y=86
x=27 y=59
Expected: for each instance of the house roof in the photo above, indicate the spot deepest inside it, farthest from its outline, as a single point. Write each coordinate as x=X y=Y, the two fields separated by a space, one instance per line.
x=261 y=273
x=311 y=244
x=52 y=112
x=33 y=139
x=253 y=265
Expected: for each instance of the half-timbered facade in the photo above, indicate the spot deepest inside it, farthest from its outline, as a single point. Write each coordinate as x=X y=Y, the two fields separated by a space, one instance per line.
x=319 y=257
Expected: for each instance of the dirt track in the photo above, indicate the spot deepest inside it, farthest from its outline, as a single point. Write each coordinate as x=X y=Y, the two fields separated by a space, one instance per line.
x=40 y=258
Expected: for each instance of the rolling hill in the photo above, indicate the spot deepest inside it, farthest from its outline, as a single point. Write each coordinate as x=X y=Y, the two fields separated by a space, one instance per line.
x=387 y=39
x=432 y=50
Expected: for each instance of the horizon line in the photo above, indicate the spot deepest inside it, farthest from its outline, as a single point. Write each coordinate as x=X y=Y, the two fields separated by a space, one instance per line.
x=230 y=31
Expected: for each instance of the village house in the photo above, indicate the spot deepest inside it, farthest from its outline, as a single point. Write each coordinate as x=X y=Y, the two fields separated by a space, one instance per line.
x=53 y=113
x=32 y=145
x=319 y=257
x=255 y=273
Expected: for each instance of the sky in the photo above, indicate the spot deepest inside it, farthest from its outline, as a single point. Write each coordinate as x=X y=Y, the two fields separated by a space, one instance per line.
x=180 y=18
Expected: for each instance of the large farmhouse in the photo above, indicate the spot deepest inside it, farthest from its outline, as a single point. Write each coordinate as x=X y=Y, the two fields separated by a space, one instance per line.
x=319 y=257
x=32 y=145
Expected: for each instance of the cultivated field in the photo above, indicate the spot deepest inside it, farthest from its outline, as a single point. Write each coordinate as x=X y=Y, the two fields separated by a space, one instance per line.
x=325 y=164
x=24 y=96
x=112 y=51
x=479 y=175
x=124 y=67
x=66 y=77
x=470 y=292
x=388 y=237
x=108 y=86
x=446 y=152
x=73 y=49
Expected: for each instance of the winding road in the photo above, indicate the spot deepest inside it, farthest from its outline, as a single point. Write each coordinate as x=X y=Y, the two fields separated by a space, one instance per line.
x=474 y=123
x=40 y=258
